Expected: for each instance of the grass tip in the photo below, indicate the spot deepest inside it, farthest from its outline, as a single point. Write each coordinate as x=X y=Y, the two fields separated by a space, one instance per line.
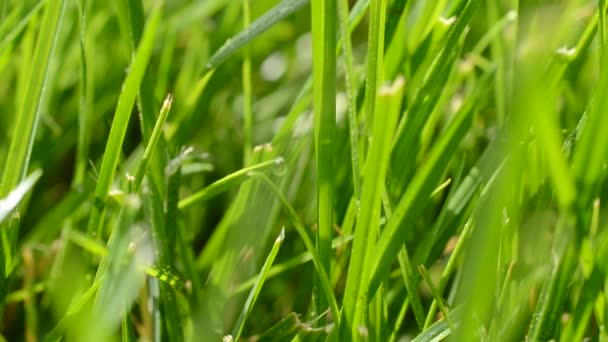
x=281 y=236
x=392 y=89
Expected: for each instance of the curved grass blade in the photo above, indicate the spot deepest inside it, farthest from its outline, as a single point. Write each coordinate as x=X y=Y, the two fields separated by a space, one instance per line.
x=257 y=287
x=259 y=26
x=10 y=202
x=301 y=230
x=226 y=183
x=120 y=122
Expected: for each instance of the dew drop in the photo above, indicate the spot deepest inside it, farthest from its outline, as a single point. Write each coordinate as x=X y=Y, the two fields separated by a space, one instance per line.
x=279 y=166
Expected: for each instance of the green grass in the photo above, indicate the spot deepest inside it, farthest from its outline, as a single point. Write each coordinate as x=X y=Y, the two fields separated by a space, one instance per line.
x=434 y=170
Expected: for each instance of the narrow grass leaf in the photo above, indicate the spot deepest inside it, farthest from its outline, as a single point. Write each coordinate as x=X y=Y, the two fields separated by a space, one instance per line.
x=324 y=30
x=259 y=26
x=10 y=202
x=296 y=261
x=367 y=228
x=85 y=92
x=447 y=272
x=257 y=287
x=247 y=92
x=436 y=294
x=144 y=163
x=120 y=122
x=226 y=183
x=351 y=94
x=301 y=230
x=28 y=117
x=440 y=330
x=416 y=195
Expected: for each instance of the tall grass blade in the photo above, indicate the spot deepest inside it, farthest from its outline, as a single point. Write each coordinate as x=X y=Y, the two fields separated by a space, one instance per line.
x=416 y=197
x=257 y=287
x=28 y=117
x=324 y=30
x=367 y=226
x=10 y=202
x=120 y=122
x=259 y=26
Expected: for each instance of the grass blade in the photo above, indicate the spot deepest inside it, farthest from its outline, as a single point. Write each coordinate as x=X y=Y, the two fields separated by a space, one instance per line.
x=259 y=26
x=324 y=16
x=10 y=202
x=351 y=94
x=436 y=295
x=226 y=183
x=144 y=163
x=321 y=273
x=120 y=122
x=440 y=330
x=257 y=287
x=19 y=27
x=247 y=93
x=417 y=194
x=27 y=122
x=85 y=90
x=367 y=228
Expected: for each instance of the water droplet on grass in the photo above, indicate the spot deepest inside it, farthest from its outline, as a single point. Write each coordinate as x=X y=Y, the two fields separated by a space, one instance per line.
x=279 y=166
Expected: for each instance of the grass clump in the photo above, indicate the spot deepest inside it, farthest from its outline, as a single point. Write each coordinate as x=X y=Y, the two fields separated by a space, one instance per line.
x=303 y=170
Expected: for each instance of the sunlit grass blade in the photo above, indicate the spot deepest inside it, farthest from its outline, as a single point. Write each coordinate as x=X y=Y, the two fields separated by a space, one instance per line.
x=121 y=120
x=324 y=30
x=367 y=226
x=257 y=287
x=226 y=183
x=10 y=202
x=416 y=197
